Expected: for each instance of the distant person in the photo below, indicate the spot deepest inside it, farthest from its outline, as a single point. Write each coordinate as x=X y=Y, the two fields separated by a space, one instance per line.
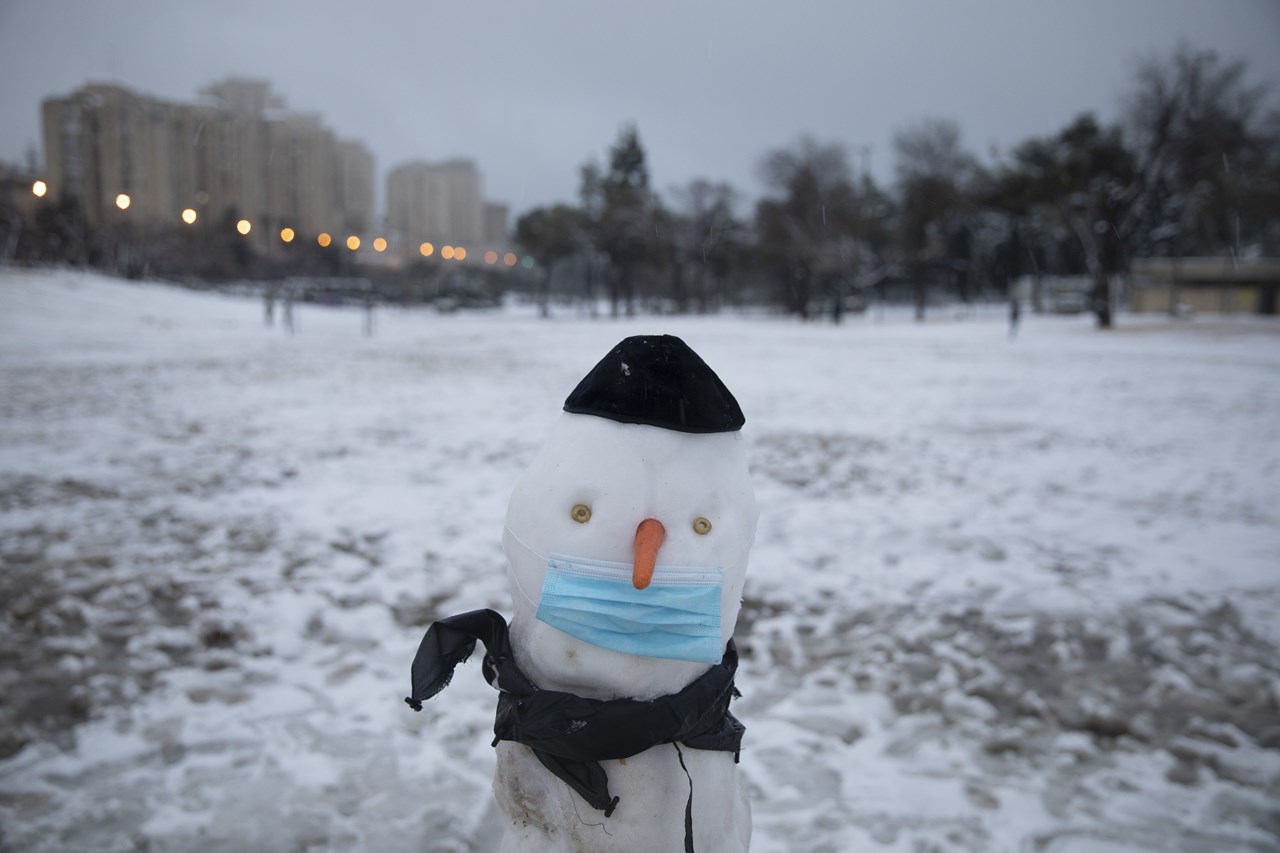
x=1015 y=312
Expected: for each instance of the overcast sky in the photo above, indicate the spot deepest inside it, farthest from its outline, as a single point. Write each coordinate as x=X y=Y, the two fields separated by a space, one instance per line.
x=530 y=90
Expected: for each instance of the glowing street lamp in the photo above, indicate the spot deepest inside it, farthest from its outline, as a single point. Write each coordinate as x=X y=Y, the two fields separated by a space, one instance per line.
x=286 y=234
x=427 y=250
x=446 y=252
x=123 y=201
x=491 y=257
x=189 y=216
x=380 y=245
x=459 y=253
x=39 y=188
x=324 y=240
x=243 y=226
x=353 y=242
x=510 y=259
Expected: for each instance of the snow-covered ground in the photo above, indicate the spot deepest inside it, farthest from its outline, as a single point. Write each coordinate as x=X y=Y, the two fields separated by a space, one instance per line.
x=1005 y=595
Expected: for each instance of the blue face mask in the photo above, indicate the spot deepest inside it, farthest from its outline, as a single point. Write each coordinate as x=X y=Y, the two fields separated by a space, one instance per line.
x=676 y=617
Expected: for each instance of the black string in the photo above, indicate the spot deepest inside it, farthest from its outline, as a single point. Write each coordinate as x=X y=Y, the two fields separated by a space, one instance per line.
x=688 y=806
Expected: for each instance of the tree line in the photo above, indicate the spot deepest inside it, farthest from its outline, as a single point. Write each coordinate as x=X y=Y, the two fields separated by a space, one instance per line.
x=1192 y=169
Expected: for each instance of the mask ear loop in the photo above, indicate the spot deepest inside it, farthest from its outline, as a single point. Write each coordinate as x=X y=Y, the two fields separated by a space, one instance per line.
x=511 y=572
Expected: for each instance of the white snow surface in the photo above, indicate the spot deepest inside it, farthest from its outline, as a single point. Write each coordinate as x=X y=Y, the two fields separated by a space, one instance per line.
x=1005 y=595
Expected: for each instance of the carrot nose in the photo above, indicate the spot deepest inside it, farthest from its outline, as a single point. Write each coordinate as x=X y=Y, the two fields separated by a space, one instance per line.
x=649 y=536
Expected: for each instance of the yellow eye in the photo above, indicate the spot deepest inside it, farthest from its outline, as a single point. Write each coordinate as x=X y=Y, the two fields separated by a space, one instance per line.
x=580 y=513
x=701 y=526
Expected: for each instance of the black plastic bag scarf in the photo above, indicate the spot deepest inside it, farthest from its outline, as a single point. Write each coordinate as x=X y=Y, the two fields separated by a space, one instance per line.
x=570 y=734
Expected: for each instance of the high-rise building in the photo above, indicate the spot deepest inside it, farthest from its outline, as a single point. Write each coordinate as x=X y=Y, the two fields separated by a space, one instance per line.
x=356 y=190
x=243 y=96
x=436 y=202
x=104 y=141
x=495 y=224
x=237 y=153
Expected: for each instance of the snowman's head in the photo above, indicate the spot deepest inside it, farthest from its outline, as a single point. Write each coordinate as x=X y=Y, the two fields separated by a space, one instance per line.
x=644 y=478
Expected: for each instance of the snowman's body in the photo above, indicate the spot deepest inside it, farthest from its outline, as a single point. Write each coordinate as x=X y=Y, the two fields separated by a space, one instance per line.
x=698 y=487
x=543 y=814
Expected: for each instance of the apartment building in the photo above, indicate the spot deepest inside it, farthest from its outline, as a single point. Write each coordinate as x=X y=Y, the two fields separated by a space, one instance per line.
x=236 y=153
x=495 y=223
x=436 y=202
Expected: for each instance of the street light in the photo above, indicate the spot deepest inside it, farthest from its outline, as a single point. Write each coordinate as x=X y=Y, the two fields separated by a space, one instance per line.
x=324 y=239
x=491 y=257
x=286 y=234
x=446 y=252
x=380 y=244
x=353 y=242
x=123 y=201
x=244 y=226
x=427 y=250
x=189 y=216
x=39 y=188
x=459 y=253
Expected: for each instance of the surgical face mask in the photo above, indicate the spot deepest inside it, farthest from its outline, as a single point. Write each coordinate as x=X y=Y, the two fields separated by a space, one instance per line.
x=677 y=617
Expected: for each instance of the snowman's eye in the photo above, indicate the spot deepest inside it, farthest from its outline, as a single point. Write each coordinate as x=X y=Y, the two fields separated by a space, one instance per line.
x=580 y=513
x=701 y=526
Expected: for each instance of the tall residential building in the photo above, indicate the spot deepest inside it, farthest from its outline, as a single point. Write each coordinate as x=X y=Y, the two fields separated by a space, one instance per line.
x=243 y=96
x=303 y=176
x=495 y=223
x=103 y=141
x=356 y=190
x=237 y=153
x=436 y=202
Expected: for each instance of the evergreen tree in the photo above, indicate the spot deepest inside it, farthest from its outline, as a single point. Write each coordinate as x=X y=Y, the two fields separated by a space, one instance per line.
x=625 y=224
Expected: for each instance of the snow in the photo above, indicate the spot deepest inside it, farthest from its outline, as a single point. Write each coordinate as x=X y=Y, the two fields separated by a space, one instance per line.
x=1004 y=594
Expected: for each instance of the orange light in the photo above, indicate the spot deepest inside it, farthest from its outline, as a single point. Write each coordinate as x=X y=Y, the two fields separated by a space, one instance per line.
x=39 y=188
x=243 y=226
x=447 y=253
x=123 y=201
x=380 y=245
x=510 y=259
x=286 y=234
x=427 y=250
x=324 y=240
x=491 y=257
x=189 y=216
x=459 y=253
x=353 y=242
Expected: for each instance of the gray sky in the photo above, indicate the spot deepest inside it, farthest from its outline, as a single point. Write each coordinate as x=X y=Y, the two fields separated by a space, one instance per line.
x=531 y=90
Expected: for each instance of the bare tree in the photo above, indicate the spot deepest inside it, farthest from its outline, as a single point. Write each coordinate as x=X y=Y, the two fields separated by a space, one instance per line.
x=709 y=239
x=1206 y=150
x=806 y=230
x=932 y=172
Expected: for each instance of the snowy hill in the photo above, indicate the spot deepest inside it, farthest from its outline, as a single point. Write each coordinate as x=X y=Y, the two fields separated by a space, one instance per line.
x=1005 y=594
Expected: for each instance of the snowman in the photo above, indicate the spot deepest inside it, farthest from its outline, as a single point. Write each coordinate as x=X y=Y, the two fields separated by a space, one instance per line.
x=627 y=543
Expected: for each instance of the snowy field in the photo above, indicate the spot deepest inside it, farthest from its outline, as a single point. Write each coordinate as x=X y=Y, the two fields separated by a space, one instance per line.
x=1005 y=596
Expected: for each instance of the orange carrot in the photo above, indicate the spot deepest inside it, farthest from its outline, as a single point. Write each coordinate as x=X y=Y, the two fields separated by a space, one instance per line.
x=649 y=536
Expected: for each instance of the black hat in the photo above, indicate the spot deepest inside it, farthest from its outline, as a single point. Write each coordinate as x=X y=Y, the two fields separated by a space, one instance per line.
x=657 y=381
